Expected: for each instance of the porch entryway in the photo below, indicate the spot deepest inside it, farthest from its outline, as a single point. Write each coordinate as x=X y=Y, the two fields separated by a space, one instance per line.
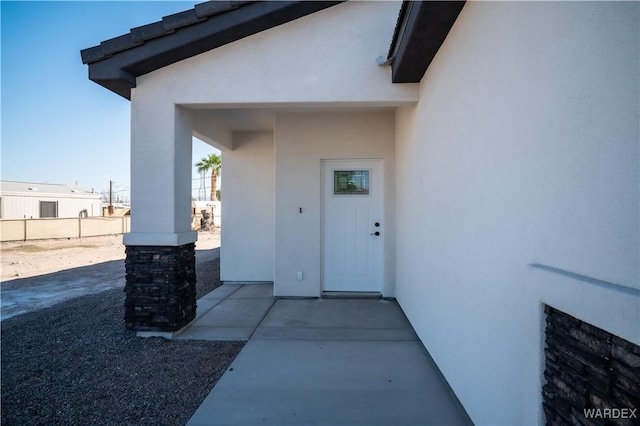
x=322 y=361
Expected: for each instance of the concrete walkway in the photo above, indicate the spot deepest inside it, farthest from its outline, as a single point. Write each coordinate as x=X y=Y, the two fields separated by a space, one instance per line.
x=319 y=361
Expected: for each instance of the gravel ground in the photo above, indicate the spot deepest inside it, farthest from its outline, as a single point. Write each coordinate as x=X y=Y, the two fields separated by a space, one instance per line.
x=74 y=363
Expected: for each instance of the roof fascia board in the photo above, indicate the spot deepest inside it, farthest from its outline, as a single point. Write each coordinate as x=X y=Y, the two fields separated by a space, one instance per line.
x=118 y=71
x=422 y=29
x=118 y=81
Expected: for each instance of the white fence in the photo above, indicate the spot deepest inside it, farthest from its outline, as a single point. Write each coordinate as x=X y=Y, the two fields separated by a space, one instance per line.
x=37 y=229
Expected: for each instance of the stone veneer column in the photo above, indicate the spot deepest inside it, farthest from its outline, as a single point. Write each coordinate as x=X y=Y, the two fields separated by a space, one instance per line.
x=160 y=288
x=160 y=263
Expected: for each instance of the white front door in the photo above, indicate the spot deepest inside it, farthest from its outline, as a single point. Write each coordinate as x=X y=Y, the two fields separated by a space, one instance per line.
x=353 y=227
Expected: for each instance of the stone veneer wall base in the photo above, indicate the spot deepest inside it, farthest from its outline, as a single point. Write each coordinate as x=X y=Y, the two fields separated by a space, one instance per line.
x=160 y=288
x=592 y=377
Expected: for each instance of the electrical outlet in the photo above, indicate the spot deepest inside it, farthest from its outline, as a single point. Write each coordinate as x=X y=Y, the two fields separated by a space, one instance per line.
x=299 y=275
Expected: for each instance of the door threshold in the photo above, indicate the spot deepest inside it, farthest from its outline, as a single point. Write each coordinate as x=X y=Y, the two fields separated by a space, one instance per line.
x=351 y=295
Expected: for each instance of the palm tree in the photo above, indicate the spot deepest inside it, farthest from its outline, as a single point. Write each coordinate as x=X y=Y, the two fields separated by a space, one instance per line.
x=211 y=162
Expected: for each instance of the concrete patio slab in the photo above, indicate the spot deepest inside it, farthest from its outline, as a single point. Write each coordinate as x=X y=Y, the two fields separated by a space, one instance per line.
x=236 y=313
x=215 y=333
x=318 y=407
x=321 y=361
x=316 y=382
x=253 y=291
x=301 y=333
x=221 y=316
x=336 y=319
x=330 y=365
x=211 y=299
x=221 y=292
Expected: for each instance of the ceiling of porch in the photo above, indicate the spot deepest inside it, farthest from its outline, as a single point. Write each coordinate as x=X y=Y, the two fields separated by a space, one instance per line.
x=215 y=125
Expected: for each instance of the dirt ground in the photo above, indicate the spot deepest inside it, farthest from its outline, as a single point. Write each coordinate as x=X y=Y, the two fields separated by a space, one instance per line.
x=24 y=259
x=67 y=358
x=39 y=274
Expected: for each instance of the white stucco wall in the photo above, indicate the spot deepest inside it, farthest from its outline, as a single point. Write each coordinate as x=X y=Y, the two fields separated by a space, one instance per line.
x=524 y=149
x=327 y=57
x=302 y=141
x=248 y=209
x=161 y=167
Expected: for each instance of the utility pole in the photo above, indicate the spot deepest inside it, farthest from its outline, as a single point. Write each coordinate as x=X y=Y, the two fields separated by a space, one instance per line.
x=202 y=191
x=110 y=198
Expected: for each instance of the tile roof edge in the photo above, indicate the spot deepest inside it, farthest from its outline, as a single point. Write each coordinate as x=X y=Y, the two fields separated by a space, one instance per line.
x=166 y=26
x=116 y=63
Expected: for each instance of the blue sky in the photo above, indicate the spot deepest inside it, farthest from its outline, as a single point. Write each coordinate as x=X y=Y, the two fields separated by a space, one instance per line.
x=57 y=126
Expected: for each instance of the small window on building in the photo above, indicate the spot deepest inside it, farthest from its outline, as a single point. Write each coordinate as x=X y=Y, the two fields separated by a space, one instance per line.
x=351 y=182
x=48 y=209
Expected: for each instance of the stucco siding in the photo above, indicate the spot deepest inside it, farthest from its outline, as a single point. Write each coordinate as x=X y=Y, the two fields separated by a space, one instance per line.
x=248 y=209
x=161 y=162
x=328 y=57
x=523 y=150
x=327 y=60
x=302 y=141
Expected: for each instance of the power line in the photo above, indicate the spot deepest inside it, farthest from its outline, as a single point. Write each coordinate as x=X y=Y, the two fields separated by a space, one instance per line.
x=206 y=176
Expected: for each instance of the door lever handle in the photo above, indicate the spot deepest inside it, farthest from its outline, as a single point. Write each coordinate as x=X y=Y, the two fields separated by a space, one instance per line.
x=376 y=234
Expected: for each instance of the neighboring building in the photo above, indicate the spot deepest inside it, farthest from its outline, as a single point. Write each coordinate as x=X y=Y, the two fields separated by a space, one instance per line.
x=490 y=174
x=25 y=200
